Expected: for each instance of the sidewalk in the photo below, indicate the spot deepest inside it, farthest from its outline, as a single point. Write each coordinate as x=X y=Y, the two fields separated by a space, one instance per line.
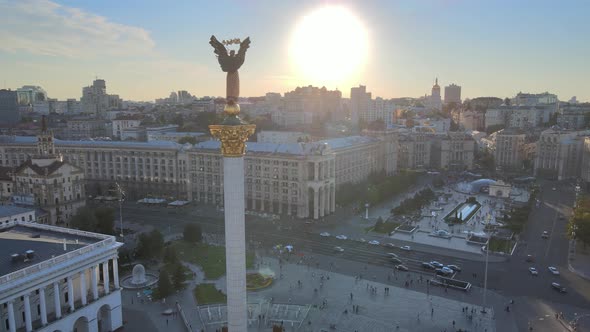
x=579 y=260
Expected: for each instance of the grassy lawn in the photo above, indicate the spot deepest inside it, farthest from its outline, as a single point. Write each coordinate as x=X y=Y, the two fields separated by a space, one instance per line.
x=210 y=258
x=208 y=294
x=384 y=228
x=499 y=245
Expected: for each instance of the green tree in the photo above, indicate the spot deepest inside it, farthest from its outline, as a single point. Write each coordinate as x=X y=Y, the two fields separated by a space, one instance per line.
x=105 y=220
x=192 y=233
x=178 y=277
x=84 y=220
x=579 y=224
x=164 y=285
x=150 y=245
x=170 y=255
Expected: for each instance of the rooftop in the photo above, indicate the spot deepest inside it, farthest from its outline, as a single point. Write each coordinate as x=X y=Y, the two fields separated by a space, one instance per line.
x=46 y=242
x=10 y=210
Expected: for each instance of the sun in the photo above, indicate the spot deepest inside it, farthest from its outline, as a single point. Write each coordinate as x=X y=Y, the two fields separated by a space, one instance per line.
x=329 y=45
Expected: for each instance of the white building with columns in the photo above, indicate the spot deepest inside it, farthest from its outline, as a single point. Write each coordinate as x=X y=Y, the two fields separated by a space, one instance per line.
x=58 y=279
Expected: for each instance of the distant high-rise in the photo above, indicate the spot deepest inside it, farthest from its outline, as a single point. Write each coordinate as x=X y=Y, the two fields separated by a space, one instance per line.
x=96 y=101
x=453 y=94
x=9 y=113
x=30 y=94
x=359 y=102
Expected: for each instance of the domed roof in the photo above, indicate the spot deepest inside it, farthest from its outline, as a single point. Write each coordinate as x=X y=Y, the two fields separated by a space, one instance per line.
x=475 y=186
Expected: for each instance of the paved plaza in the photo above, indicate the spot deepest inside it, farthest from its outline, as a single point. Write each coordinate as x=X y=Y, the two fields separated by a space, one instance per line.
x=309 y=299
x=431 y=219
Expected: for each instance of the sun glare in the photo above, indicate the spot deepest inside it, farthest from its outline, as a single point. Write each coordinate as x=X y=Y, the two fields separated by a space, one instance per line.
x=329 y=45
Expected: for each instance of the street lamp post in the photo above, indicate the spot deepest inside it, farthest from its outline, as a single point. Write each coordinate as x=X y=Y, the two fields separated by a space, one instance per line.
x=366 y=210
x=485 y=277
x=121 y=198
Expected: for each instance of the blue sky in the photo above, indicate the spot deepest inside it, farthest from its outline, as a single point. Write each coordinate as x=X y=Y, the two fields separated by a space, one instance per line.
x=145 y=49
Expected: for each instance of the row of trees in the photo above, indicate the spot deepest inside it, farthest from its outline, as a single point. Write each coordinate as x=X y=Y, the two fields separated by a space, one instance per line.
x=579 y=224
x=520 y=215
x=173 y=274
x=98 y=220
x=377 y=188
x=410 y=205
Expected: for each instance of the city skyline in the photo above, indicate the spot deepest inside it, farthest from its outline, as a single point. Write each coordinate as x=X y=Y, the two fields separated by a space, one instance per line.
x=143 y=53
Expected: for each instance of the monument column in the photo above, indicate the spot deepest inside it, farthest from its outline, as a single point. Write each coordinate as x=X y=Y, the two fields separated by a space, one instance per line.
x=11 y=321
x=233 y=134
x=56 y=300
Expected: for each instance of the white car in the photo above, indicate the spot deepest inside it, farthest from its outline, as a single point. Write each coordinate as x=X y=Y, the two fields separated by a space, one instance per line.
x=447 y=270
x=553 y=270
x=390 y=254
x=406 y=248
x=374 y=242
x=324 y=234
x=341 y=237
x=338 y=249
x=533 y=271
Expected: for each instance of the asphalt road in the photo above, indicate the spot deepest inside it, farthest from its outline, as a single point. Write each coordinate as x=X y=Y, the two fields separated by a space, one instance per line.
x=536 y=300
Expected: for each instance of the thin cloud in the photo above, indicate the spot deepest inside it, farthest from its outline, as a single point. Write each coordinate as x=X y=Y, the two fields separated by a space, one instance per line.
x=42 y=27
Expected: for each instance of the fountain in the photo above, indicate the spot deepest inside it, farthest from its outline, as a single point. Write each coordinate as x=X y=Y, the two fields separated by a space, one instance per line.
x=138 y=275
x=139 y=278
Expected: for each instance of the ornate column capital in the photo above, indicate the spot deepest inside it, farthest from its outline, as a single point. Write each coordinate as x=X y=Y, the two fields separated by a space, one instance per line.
x=233 y=137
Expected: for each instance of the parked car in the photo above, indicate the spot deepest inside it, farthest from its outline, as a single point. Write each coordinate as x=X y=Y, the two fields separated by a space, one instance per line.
x=558 y=287
x=396 y=260
x=533 y=271
x=545 y=235
x=553 y=270
x=374 y=242
x=324 y=234
x=406 y=248
x=341 y=237
x=436 y=264
x=401 y=267
x=455 y=268
x=338 y=249
x=427 y=266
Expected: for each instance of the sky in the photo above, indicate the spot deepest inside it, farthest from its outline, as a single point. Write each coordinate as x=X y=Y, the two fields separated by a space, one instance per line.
x=145 y=49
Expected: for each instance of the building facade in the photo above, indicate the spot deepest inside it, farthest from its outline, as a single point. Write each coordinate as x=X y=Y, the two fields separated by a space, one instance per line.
x=509 y=151
x=58 y=279
x=457 y=151
x=453 y=94
x=559 y=153
x=280 y=178
x=46 y=181
x=85 y=129
x=9 y=111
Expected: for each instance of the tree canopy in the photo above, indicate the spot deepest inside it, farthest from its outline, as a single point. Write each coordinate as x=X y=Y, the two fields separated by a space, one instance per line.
x=579 y=224
x=99 y=220
x=192 y=233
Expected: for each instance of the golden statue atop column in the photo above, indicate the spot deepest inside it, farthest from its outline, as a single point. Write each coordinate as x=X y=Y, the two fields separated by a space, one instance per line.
x=232 y=132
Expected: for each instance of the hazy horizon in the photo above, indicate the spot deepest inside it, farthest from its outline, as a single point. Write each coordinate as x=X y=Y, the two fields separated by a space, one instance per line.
x=145 y=50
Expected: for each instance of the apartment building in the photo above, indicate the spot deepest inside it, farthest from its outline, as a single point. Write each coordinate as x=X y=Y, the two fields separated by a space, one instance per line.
x=559 y=153
x=509 y=152
x=284 y=178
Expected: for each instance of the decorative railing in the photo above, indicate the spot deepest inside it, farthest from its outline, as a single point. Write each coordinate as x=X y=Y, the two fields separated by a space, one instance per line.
x=106 y=241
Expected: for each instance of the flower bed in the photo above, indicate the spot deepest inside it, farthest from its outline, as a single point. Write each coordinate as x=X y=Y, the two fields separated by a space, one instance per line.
x=255 y=281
